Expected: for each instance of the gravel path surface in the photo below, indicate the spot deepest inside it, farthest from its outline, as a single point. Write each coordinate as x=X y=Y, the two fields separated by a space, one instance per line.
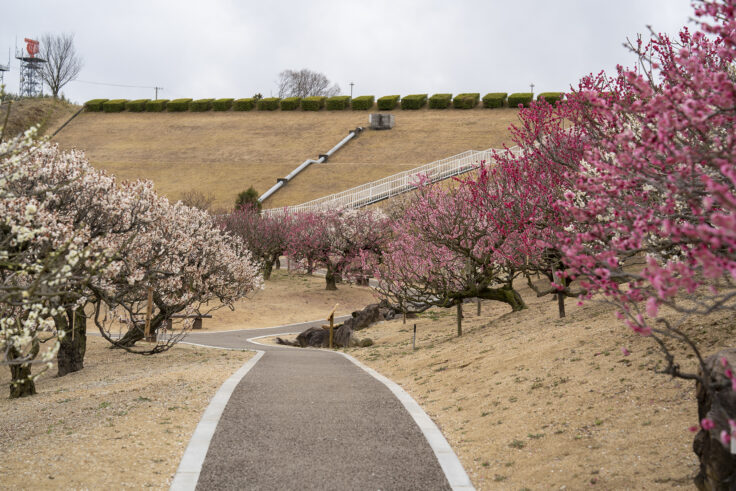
x=311 y=419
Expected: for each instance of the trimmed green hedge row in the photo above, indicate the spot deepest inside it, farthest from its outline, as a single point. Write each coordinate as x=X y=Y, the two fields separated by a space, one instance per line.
x=551 y=97
x=95 y=105
x=413 y=101
x=337 y=103
x=222 y=104
x=178 y=105
x=440 y=101
x=388 y=102
x=114 y=105
x=524 y=98
x=494 y=99
x=363 y=103
x=136 y=106
x=245 y=104
x=201 y=105
x=466 y=100
x=156 y=106
x=314 y=103
x=268 y=104
x=290 y=103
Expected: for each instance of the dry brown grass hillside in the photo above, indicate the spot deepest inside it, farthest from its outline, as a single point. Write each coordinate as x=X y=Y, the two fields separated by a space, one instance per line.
x=224 y=153
x=46 y=112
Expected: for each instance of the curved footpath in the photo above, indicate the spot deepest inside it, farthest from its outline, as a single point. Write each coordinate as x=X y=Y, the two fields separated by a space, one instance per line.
x=312 y=419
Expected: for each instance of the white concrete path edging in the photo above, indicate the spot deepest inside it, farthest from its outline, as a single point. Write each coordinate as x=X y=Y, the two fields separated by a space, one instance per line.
x=187 y=475
x=251 y=340
x=451 y=466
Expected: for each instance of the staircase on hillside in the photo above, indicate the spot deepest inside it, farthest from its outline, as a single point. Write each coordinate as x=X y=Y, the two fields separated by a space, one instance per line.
x=403 y=182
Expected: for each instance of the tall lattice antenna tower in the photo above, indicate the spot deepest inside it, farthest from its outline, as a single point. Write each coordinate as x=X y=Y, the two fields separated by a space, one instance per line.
x=3 y=69
x=31 y=84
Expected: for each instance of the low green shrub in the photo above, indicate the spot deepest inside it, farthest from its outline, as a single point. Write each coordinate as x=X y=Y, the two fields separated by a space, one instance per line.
x=313 y=103
x=95 y=105
x=440 y=101
x=337 y=103
x=413 y=101
x=246 y=104
x=551 y=97
x=222 y=104
x=156 y=106
x=268 y=104
x=494 y=99
x=178 y=105
x=362 y=103
x=114 y=105
x=136 y=106
x=201 y=105
x=466 y=100
x=523 y=98
x=290 y=103
x=388 y=102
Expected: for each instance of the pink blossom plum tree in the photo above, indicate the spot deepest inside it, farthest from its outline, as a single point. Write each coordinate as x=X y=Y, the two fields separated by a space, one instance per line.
x=336 y=240
x=655 y=200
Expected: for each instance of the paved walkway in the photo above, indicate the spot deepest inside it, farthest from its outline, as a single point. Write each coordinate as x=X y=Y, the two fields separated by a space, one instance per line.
x=314 y=419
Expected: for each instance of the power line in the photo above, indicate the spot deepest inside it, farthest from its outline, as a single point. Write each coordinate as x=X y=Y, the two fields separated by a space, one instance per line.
x=116 y=85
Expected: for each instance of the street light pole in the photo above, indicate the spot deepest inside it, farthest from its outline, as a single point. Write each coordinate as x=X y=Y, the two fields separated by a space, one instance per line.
x=351 y=89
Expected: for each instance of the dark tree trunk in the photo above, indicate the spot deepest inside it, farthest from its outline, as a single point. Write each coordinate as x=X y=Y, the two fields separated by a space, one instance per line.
x=70 y=357
x=459 y=319
x=136 y=332
x=21 y=383
x=717 y=463
x=561 y=304
x=266 y=270
x=277 y=263
x=330 y=278
x=505 y=294
x=310 y=267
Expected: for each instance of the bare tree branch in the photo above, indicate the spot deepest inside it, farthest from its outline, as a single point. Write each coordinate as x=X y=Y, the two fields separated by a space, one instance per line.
x=62 y=62
x=305 y=83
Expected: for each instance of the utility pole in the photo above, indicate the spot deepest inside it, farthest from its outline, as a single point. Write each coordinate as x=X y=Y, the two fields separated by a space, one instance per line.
x=351 y=89
x=532 y=87
x=157 y=89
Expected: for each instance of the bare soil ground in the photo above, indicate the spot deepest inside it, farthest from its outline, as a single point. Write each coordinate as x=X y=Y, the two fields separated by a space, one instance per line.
x=122 y=422
x=226 y=152
x=530 y=401
x=289 y=298
x=527 y=400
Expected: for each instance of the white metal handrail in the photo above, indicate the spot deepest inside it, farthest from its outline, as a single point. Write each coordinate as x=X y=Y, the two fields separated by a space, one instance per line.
x=396 y=184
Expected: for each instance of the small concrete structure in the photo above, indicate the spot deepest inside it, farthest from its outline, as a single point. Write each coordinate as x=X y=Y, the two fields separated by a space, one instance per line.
x=380 y=121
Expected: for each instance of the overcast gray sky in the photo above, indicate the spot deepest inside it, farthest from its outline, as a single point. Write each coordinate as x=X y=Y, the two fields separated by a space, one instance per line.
x=222 y=48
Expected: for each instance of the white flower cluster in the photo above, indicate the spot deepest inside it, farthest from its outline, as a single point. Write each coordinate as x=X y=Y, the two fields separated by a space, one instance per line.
x=71 y=234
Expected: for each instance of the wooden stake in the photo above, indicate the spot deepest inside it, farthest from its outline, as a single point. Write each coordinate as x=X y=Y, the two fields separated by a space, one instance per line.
x=149 y=308
x=331 y=318
x=414 y=339
x=74 y=323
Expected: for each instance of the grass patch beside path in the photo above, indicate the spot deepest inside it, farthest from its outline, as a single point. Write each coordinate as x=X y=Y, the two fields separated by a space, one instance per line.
x=543 y=402
x=122 y=422
x=288 y=299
